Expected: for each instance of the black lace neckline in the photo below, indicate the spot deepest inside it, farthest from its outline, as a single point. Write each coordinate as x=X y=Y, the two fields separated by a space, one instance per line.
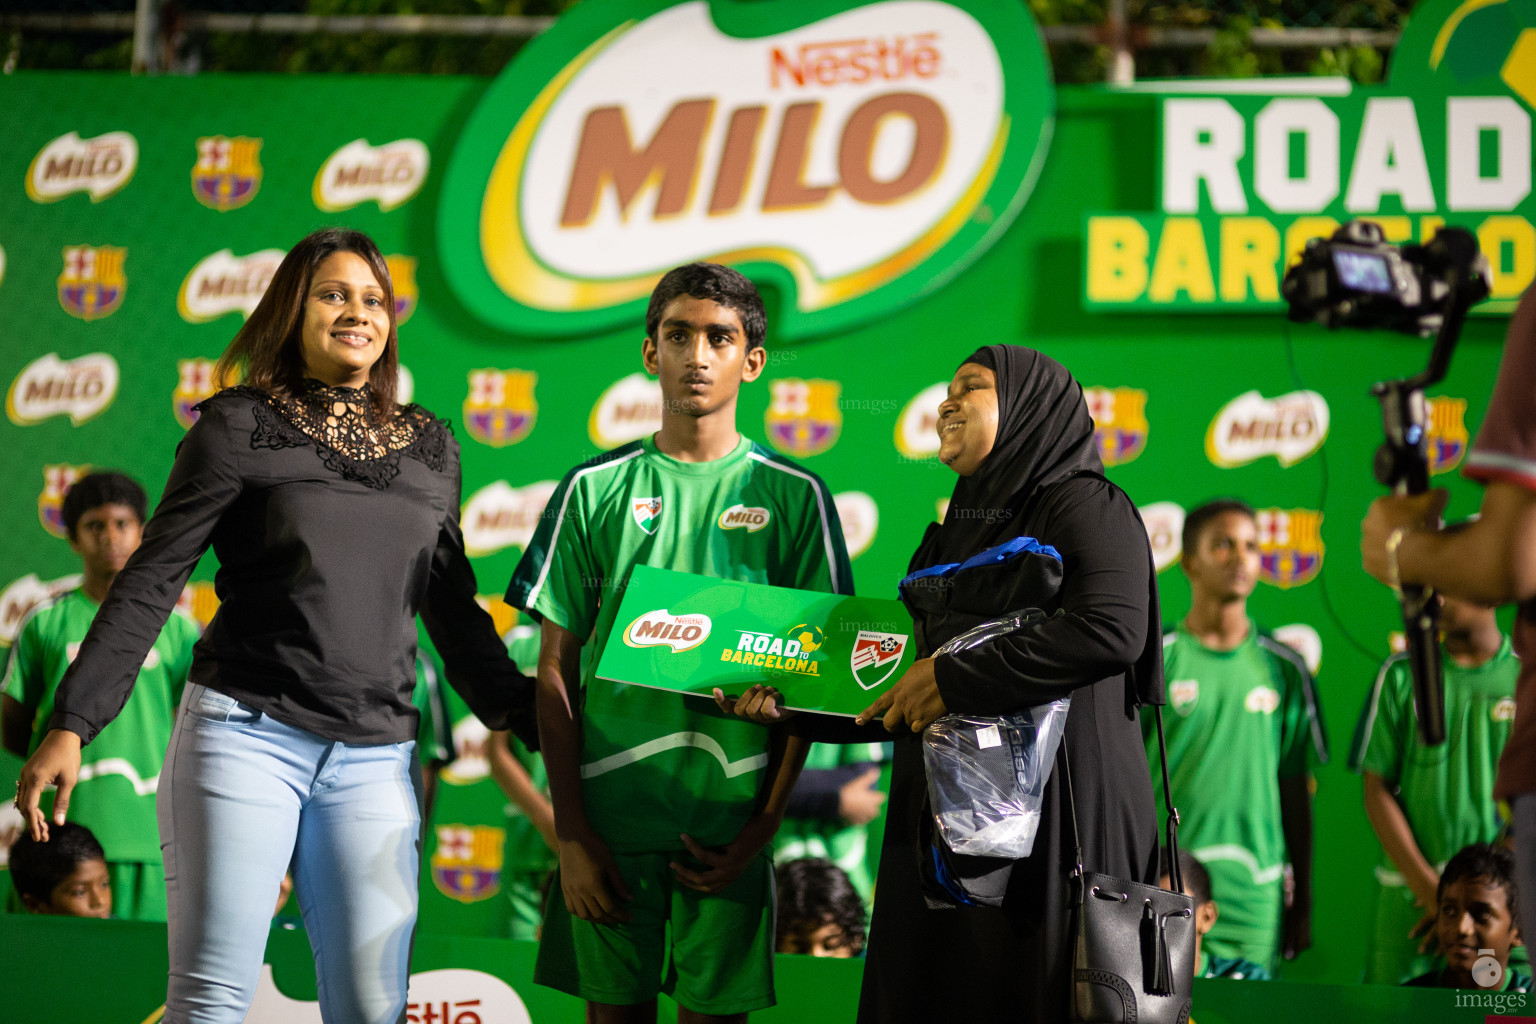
x=351 y=439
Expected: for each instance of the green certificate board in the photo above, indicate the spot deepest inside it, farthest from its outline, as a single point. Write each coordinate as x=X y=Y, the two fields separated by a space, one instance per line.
x=824 y=652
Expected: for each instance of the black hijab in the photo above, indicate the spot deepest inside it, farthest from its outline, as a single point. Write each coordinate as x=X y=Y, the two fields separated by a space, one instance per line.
x=1044 y=436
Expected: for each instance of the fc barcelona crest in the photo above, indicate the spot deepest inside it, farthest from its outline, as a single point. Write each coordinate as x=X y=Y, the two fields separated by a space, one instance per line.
x=1447 y=441
x=875 y=656
x=402 y=275
x=803 y=416
x=194 y=382
x=1119 y=422
x=466 y=866
x=227 y=174
x=647 y=512
x=1290 y=546
x=500 y=409
x=57 y=480
x=93 y=283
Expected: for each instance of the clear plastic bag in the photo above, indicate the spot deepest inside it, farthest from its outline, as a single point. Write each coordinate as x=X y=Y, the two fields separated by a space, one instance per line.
x=987 y=774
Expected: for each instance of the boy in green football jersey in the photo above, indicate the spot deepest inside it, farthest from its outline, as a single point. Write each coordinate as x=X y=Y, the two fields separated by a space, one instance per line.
x=1197 y=886
x=1243 y=737
x=115 y=797
x=1425 y=803
x=664 y=808
x=1477 y=924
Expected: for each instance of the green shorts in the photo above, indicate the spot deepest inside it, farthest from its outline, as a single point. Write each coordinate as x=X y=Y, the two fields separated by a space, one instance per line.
x=711 y=952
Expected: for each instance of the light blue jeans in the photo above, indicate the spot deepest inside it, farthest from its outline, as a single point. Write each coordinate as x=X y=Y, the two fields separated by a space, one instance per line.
x=244 y=798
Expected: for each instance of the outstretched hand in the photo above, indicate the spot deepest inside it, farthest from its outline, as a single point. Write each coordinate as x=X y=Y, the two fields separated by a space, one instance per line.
x=911 y=704
x=56 y=762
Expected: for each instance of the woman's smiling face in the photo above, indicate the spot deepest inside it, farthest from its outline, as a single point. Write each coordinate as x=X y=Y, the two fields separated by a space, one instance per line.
x=968 y=419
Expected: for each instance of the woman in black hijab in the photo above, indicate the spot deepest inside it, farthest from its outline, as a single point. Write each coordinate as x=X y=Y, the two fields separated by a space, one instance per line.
x=1016 y=429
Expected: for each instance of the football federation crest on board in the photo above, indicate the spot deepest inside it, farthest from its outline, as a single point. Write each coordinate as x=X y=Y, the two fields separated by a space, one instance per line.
x=647 y=513
x=917 y=427
x=92 y=283
x=660 y=628
x=227 y=174
x=79 y=388
x=1447 y=433
x=628 y=410
x=740 y=517
x=1290 y=546
x=357 y=172
x=98 y=166
x=875 y=656
x=1183 y=695
x=223 y=283
x=57 y=480
x=1251 y=426
x=860 y=517
x=857 y=159
x=500 y=408
x=466 y=866
x=499 y=515
x=402 y=275
x=803 y=417
x=194 y=382
x=1164 y=521
x=1119 y=422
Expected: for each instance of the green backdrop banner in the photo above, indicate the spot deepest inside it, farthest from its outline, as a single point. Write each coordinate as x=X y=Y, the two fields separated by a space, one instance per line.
x=140 y=219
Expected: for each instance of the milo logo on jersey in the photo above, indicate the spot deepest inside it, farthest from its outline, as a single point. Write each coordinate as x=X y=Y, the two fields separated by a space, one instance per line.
x=466 y=866
x=857 y=159
x=500 y=409
x=93 y=284
x=1119 y=422
x=99 y=166
x=917 y=428
x=629 y=409
x=740 y=517
x=803 y=417
x=57 y=480
x=789 y=653
x=660 y=628
x=1290 y=546
x=227 y=174
x=1447 y=433
x=222 y=283
x=1290 y=428
x=80 y=388
x=402 y=276
x=357 y=172
x=194 y=382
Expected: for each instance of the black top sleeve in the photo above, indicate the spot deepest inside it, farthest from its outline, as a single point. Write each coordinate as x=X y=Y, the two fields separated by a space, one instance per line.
x=818 y=792
x=205 y=479
x=1100 y=629
x=474 y=658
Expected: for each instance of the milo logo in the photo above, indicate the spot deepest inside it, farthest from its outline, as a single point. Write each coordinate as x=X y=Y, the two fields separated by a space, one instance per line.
x=740 y=517
x=660 y=628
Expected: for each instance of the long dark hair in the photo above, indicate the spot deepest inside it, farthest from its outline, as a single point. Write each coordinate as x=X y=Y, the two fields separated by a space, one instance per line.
x=266 y=353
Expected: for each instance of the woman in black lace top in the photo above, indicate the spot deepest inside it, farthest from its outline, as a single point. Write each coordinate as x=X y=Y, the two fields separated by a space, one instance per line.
x=334 y=515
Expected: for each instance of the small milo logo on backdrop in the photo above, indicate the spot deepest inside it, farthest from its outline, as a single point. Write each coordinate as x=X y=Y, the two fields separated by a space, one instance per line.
x=222 y=283
x=57 y=480
x=854 y=158
x=803 y=416
x=80 y=388
x=99 y=166
x=917 y=427
x=500 y=408
x=1119 y=422
x=1249 y=427
x=1447 y=430
x=194 y=382
x=93 y=283
x=499 y=515
x=389 y=174
x=227 y=174
x=1290 y=546
x=629 y=409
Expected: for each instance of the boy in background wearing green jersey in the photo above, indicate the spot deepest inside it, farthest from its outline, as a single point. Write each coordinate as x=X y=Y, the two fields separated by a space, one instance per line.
x=1197 y=886
x=103 y=517
x=1477 y=924
x=1242 y=740
x=1425 y=803
x=664 y=808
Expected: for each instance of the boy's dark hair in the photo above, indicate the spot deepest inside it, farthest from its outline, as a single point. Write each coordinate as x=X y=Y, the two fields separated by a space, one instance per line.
x=1198 y=518
x=38 y=868
x=1488 y=861
x=1197 y=880
x=104 y=488
x=717 y=284
x=815 y=889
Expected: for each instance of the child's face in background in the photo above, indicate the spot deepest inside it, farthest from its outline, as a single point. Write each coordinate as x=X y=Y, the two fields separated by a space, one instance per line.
x=85 y=893
x=1474 y=914
x=811 y=939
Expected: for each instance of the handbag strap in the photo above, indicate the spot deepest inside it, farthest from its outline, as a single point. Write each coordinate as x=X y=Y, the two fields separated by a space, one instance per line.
x=1175 y=876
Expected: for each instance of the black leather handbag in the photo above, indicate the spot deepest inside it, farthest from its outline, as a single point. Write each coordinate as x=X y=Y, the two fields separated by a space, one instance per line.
x=1133 y=945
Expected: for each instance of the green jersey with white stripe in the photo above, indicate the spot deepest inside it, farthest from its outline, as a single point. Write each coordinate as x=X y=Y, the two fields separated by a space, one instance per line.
x=655 y=764
x=1239 y=721
x=120 y=769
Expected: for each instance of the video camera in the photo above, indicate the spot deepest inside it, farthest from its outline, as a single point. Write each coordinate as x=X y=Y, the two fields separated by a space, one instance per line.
x=1358 y=279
